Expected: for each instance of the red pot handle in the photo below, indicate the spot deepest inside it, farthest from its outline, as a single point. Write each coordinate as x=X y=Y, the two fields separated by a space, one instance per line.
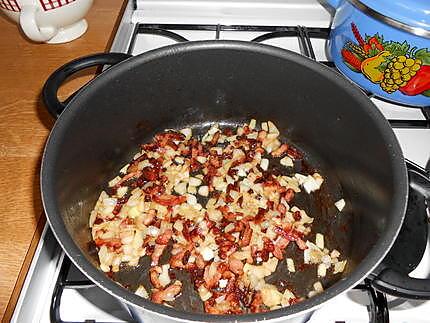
x=52 y=84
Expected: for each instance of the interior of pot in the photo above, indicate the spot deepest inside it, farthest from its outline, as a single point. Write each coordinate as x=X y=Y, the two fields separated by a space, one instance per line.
x=339 y=129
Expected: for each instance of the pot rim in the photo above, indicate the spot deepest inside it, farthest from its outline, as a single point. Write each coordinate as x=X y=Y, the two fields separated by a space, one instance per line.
x=362 y=270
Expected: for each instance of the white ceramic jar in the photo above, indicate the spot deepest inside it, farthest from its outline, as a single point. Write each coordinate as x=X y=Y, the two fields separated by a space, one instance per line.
x=50 y=21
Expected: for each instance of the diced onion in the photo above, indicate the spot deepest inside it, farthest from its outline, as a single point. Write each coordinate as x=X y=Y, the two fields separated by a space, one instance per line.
x=201 y=159
x=220 y=299
x=271 y=264
x=191 y=199
x=179 y=160
x=109 y=201
x=318 y=287
x=223 y=283
x=339 y=267
x=193 y=181
x=134 y=212
x=124 y=169
x=335 y=253
x=229 y=227
x=340 y=204
x=264 y=126
x=290 y=265
x=192 y=189
x=207 y=253
x=164 y=276
x=272 y=128
x=286 y=161
x=153 y=231
x=181 y=188
x=121 y=191
x=319 y=240
x=270 y=295
x=322 y=270
x=203 y=190
x=114 y=181
x=264 y=164
x=326 y=260
x=187 y=132
x=141 y=291
x=204 y=293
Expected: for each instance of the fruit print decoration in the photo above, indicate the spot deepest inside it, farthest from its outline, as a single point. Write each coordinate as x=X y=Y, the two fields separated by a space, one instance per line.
x=393 y=65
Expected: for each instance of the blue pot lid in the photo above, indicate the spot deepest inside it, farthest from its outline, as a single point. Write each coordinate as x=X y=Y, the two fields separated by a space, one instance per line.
x=412 y=13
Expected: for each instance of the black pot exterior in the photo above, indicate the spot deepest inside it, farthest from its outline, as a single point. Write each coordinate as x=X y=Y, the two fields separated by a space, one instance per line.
x=227 y=82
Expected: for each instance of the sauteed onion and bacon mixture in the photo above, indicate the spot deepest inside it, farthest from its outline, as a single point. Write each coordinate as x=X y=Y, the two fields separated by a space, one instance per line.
x=226 y=215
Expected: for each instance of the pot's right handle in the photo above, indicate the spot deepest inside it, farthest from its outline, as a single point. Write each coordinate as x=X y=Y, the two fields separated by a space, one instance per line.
x=391 y=281
x=52 y=84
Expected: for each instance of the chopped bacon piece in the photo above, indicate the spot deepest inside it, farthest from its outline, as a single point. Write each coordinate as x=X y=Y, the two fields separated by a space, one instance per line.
x=150 y=173
x=127 y=177
x=164 y=237
x=297 y=215
x=301 y=244
x=158 y=251
x=154 y=273
x=212 y=275
x=110 y=243
x=279 y=246
x=169 y=200
x=280 y=151
x=261 y=135
x=215 y=138
x=235 y=265
x=289 y=195
x=281 y=208
x=257 y=303
x=168 y=138
x=168 y=294
x=294 y=153
x=245 y=236
x=200 y=262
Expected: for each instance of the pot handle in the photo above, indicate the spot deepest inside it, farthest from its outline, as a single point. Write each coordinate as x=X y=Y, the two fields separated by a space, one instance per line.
x=52 y=84
x=391 y=281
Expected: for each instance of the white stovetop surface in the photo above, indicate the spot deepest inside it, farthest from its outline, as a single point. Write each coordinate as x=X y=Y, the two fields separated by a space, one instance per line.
x=250 y=12
x=415 y=143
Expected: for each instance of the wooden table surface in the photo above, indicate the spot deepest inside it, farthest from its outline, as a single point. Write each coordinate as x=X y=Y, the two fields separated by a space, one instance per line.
x=24 y=127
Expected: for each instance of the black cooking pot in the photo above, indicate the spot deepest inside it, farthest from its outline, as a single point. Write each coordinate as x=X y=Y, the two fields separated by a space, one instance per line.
x=198 y=83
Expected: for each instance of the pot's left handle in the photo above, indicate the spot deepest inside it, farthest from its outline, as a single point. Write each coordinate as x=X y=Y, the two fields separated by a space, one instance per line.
x=52 y=84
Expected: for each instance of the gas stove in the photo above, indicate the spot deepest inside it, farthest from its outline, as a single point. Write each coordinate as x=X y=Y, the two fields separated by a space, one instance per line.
x=55 y=290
